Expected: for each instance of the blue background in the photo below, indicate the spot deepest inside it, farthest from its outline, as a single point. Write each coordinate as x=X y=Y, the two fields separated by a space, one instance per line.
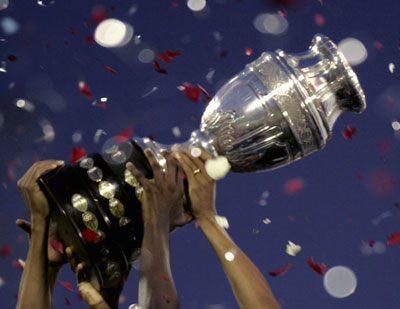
x=347 y=185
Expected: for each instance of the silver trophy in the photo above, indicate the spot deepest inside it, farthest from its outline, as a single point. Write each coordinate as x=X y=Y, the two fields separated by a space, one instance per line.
x=280 y=108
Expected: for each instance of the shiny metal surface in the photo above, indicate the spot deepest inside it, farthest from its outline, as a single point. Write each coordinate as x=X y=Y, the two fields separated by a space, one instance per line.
x=280 y=108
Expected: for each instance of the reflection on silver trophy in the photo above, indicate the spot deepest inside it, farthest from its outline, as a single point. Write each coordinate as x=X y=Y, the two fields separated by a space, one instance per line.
x=280 y=108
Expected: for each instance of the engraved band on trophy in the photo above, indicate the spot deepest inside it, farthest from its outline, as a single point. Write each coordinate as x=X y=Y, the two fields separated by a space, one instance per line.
x=280 y=108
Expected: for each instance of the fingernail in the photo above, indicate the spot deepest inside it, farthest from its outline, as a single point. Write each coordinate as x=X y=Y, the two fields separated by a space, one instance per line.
x=177 y=156
x=60 y=161
x=53 y=166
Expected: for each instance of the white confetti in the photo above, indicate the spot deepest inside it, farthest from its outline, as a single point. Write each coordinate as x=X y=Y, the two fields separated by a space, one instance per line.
x=22 y=262
x=97 y=135
x=222 y=222
x=195 y=152
x=150 y=92
x=209 y=76
x=266 y=221
x=134 y=306
x=3 y=67
x=217 y=168
x=391 y=67
x=77 y=136
x=262 y=202
x=176 y=132
x=292 y=249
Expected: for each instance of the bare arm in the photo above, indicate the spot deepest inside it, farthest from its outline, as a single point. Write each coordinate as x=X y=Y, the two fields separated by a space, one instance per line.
x=38 y=279
x=248 y=284
x=162 y=210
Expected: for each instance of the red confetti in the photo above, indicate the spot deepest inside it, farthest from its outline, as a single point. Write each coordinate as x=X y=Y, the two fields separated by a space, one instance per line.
x=10 y=170
x=98 y=14
x=280 y=271
x=282 y=12
x=5 y=251
x=163 y=57
x=294 y=185
x=348 y=132
x=89 y=235
x=89 y=38
x=248 y=51
x=207 y=96
x=360 y=176
x=172 y=54
x=67 y=301
x=27 y=43
x=84 y=89
x=223 y=53
x=57 y=246
x=164 y=277
x=378 y=45
x=384 y=147
x=80 y=297
x=158 y=68
x=18 y=265
x=319 y=19
x=77 y=153
x=381 y=182
x=168 y=56
x=66 y=285
x=124 y=135
x=174 y=3
x=110 y=69
x=371 y=243
x=393 y=239
x=318 y=268
x=12 y=57
x=390 y=101
x=73 y=31
x=291 y=218
x=320 y=1
x=192 y=92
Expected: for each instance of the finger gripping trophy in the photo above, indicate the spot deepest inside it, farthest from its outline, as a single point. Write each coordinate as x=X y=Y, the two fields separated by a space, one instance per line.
x=280 y=108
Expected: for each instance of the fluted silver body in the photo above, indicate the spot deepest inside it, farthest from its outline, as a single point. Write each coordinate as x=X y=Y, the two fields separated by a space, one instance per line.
x=280 y=108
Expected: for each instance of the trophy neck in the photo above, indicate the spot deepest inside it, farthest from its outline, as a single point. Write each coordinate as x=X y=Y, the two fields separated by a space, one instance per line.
x=197 y=139
x=327 y=79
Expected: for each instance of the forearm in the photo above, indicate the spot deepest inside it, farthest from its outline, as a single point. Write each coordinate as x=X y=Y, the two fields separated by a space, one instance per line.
x=156 y=285
x=34 y=288
x=248 y=284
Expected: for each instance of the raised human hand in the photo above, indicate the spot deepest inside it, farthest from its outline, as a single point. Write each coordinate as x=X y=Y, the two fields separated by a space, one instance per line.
x=201 y=186
x=55 y=248
x=34 y=198
x=164 y=196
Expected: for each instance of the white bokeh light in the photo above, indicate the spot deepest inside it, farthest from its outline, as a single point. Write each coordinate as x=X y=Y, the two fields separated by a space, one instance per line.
x=270 y=24
x=229 y=256
x=113 y=33
x=353 y=50
x=9 y=25
x=396 y=125
x=3 y=4
x=146 y=55
x=196 y=5
x=340 y=282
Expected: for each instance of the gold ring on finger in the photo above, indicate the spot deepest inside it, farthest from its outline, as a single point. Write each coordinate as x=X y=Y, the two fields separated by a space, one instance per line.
x=196 y=171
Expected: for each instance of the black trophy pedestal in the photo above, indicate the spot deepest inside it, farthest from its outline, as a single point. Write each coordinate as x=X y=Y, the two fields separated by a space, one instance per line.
x=96 y=204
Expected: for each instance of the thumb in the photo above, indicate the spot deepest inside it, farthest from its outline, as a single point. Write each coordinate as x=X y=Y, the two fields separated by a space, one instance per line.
x=25 y=225
x=89 y=294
